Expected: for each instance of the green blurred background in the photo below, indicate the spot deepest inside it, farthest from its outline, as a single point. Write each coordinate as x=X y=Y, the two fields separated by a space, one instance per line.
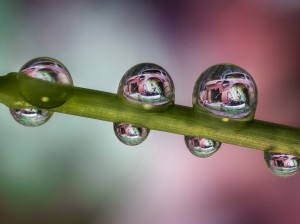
x=74 y=170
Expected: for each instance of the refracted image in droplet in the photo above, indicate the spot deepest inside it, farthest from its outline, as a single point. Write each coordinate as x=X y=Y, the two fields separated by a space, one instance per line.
x=47 y=69
x=31 y=117
x=282 y=164
x=130 y=134
x=147 y=84
x=201 y=147
x=226 y=90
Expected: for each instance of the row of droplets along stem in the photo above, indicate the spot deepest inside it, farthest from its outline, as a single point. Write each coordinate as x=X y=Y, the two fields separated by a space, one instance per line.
x=225 y=91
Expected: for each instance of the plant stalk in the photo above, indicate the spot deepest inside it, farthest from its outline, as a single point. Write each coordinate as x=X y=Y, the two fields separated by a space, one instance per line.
x=176 y=119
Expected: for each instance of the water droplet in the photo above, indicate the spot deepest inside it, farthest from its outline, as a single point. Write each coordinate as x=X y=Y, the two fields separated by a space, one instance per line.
x=47 y=69
x=31 y=117
x=282 y=164
x=201 y=147
x=226 y=90
x=130 y=134
x=50 y=70
x=147 y=85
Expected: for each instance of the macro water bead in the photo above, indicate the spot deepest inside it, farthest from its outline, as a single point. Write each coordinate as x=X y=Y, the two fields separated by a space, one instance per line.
x=50 y=70
x=201 y=147
x=47 y=69
x=31 y=117
x=226 y=90
x=148 y=85
x=130 y=134
x=282 y=164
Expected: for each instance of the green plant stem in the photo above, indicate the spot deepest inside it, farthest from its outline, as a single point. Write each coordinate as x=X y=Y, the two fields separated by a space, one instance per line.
x=176 y=119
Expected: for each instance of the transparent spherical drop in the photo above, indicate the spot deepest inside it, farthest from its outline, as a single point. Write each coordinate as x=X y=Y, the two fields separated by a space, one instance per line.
x=147 y=85
x=282 y=164
x=47 y=69
x=50 y=70
x=226 y=90
x=130 y=134
x=201 y=147
x=31 y=117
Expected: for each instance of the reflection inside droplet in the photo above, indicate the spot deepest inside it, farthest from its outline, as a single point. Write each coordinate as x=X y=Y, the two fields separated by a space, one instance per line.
x=130 y=134
x=201 y=147
x=147 y=84
x=227 y=91
x=282 y=164
x=31 y=117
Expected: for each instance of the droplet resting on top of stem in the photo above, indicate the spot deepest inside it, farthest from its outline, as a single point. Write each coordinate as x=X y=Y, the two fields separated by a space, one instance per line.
x=226 y=90
x=147 y=85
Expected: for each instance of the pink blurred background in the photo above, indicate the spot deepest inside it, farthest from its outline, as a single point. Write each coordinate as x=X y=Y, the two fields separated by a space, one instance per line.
x=74 y=170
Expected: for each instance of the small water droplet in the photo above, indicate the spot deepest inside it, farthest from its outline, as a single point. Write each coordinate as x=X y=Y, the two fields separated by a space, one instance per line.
x=201 y=147
x=47 y=69
x=226 y=90
x=130 y=134
x=148 y=85
x=31 y=117
x=282 y=164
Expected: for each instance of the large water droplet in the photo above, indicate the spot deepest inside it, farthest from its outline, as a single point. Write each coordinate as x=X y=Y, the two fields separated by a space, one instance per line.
x=226 y=90
x=47 y=69
x=130 y=134
x=282 y=164
x=201 y=147
x=50 y=70
x=147 y=85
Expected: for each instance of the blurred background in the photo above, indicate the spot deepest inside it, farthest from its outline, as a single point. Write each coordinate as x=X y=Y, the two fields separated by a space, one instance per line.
x=74 y=170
